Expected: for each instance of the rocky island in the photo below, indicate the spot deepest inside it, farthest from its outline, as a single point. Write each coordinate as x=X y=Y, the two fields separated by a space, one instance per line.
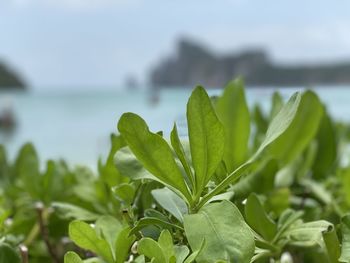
x=9 y=79
x=193 y=64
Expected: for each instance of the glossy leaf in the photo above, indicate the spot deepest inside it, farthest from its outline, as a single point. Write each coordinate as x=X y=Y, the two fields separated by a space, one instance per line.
x=109 y=228
x=86 y=237
x=287 y=136
x=206 y=136
x=152 y=151
x=123 y=244
x=72 y=257
x=170 y=202
x=227 y=236
x=180 y=152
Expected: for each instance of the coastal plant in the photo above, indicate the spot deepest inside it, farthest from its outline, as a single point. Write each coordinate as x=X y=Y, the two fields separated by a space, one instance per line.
x=245 y=185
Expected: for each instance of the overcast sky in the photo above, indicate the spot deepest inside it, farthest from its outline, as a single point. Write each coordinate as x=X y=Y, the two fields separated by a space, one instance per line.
x=68 y=43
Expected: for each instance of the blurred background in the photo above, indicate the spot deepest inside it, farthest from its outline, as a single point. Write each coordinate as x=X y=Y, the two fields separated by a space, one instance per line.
x=70 y=68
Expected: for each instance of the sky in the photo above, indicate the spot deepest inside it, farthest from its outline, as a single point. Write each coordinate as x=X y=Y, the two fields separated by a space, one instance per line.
x=97 y=43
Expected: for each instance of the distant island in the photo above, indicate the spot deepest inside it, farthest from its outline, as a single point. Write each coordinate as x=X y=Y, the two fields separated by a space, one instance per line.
x=194 y=64
x=9 y=79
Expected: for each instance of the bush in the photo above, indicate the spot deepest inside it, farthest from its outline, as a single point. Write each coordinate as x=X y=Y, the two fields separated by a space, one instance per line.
x=244 y=186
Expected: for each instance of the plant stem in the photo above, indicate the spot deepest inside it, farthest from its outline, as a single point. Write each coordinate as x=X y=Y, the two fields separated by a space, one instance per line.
x=24 y=253
x=45 y=233
x=235 y=175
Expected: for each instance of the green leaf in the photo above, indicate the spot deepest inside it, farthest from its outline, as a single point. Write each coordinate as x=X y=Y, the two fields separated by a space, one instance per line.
x=125 y=192
x=287 y=218
x=152 y=151
x=191 y=258
x=287 y=136
x=152 y=250
x=206 y=136
x=8 y=254
x=72 y=257
x=108 y=171
x=109 y=228
x=276 y=104
x=259 y=181
x=123 y=243
x=146 y=221
x=180 y=152
x=306 y=234
x=257 y=218
x=27 y=168
x=331 y=241
x=129 y=166
x=166 y=243
x=226 y=235
x=345 y=248
x=233 y=112
x=326 y=147
x=293 y=127
x=318 y=190
x=69 y=211
x=86 y=237
x=181 y=253
x=170 y=202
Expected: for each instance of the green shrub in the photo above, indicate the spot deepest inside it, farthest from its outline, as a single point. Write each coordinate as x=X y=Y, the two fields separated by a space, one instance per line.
x=244 y=186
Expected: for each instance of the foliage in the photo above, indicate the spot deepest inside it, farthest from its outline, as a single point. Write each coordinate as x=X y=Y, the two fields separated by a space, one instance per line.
x=244 y=186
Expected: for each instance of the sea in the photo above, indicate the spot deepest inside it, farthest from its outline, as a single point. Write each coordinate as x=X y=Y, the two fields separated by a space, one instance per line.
x=76 y=125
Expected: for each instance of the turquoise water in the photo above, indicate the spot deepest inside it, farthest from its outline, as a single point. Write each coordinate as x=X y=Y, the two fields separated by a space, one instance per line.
x=76 y=125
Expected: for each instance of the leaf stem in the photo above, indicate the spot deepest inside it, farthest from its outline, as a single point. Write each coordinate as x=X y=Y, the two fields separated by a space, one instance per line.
x=235 y=175
x=24 y=253
x=45 y=233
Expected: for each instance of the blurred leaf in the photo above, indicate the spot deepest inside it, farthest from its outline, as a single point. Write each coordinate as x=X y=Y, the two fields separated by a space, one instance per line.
x=259 y=181
x=276 y=104
x=27 y=168
x=69 y=211
x=345 y=248
x=108 y=171
x=124 y=192
x=129 y=166
x=72 y=257
x=306 y=234
x=146 y=221
x=326 y=147
x=233 y=112
x=257 y=218
x=332 y=244
x=8 y=254
x=293 y=127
